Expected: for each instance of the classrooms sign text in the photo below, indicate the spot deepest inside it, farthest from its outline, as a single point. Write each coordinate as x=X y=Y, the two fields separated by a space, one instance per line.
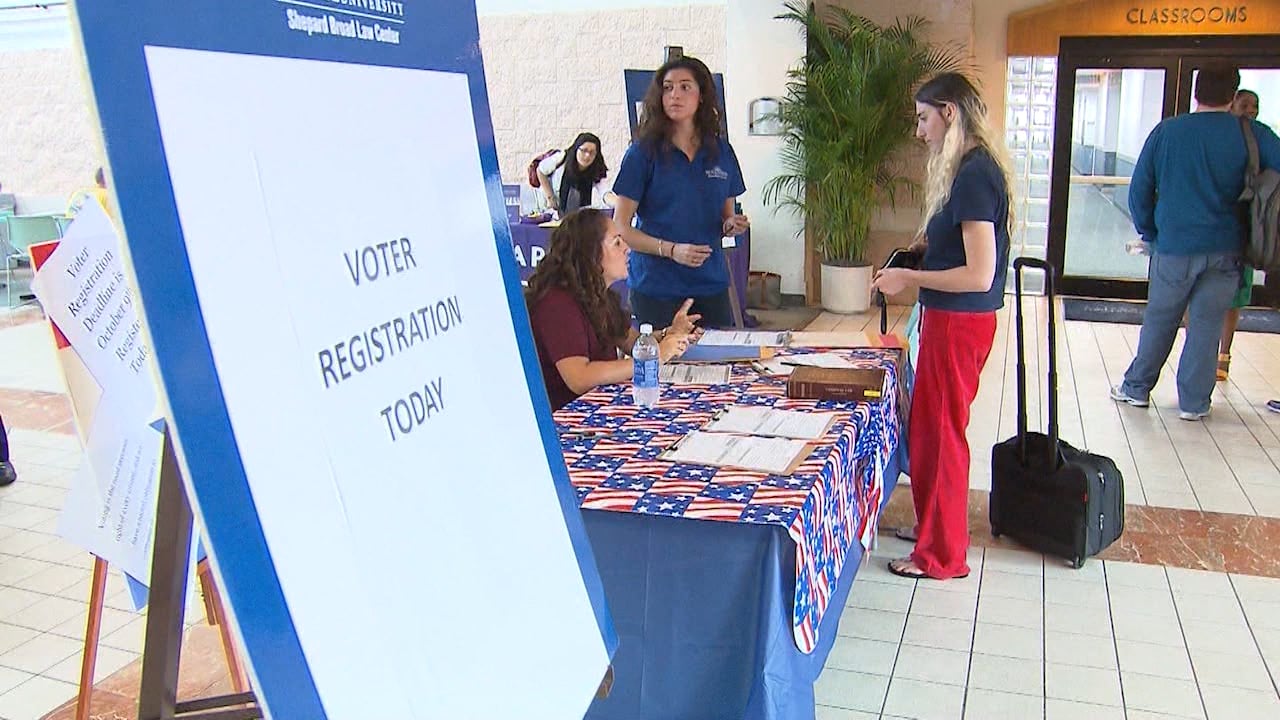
x=1188 y=15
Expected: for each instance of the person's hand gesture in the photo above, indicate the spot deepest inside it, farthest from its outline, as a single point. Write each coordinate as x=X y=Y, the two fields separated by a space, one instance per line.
x=892 y=281
x=672 y=346
x=735 y=225
x=683 y=322
x=690 y=255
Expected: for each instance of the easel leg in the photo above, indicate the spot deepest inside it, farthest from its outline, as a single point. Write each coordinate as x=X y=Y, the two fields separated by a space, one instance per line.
x=217 y=615
x=88 y=663
x=162 y=649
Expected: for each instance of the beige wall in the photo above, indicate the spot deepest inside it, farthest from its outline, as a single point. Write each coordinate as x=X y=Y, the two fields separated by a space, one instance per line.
x=48 y=141
x=553 y=75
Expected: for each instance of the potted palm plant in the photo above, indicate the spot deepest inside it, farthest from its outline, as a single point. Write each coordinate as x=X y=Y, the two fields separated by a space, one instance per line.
x=846 y=116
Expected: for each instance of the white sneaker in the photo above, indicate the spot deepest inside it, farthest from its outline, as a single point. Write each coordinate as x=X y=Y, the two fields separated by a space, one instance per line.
x=1192 y=416
x=1121 y=396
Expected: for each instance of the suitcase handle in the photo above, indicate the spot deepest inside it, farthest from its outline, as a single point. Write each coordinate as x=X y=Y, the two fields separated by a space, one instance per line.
x=1049 y=274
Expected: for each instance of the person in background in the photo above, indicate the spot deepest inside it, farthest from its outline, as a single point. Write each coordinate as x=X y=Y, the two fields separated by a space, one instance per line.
x=580 y=331
x=574 y=178
x=961 y=281
x=1184 y=203
x=7 y=472
x=680 y=178
x=1244 y=105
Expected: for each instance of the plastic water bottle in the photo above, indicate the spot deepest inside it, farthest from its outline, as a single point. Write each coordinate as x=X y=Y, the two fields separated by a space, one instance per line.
x=647 y=367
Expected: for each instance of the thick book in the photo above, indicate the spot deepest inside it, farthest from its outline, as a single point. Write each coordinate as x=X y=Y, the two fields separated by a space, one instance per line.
x=847 y=384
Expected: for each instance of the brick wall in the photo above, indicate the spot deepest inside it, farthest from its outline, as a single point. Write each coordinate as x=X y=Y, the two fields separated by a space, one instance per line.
x=47 y=142
x=554 y=75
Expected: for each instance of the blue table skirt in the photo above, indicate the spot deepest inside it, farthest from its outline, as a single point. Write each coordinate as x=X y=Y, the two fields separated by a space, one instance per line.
x=703 y=615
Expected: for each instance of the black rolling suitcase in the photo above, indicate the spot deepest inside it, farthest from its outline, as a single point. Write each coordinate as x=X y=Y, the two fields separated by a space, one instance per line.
x=1045 y=493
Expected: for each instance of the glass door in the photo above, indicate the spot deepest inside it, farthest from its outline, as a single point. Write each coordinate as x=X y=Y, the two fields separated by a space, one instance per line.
x=1106 y=106
x=1111 y=92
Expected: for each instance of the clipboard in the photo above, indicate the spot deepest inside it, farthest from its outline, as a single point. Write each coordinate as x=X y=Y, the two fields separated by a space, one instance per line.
x=802 y=448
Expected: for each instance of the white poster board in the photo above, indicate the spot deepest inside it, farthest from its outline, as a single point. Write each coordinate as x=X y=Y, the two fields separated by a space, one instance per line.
x=316 y=226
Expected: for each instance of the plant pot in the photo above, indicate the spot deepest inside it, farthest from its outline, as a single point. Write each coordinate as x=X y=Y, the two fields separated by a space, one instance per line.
x=846 y=290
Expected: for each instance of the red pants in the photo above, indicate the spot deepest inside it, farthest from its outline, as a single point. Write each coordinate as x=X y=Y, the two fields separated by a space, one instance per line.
x=953 y=348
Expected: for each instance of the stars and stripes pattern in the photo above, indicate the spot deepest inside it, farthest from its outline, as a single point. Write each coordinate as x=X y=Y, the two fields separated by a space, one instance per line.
x=828 y=506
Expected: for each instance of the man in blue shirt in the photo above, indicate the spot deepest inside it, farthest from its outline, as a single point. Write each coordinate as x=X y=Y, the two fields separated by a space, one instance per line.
x=1184 y=202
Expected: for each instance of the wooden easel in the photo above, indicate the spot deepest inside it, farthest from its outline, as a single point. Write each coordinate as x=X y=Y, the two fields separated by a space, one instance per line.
x=162 y=648
x=214 y=612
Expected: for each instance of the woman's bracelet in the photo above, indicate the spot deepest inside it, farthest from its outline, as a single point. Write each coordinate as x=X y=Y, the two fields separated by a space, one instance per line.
x=660 y=253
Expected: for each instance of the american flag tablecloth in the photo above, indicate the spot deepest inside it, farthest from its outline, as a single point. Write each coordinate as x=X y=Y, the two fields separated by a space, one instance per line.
x=611 y=448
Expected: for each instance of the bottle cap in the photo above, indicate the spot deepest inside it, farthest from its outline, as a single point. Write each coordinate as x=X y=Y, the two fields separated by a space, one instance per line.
x=646 y=329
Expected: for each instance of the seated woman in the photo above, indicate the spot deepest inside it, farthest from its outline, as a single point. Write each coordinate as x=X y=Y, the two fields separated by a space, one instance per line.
x=574 y=178
x=579 y=328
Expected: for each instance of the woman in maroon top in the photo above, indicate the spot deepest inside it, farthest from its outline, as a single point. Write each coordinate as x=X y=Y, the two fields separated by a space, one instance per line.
x=581 y=332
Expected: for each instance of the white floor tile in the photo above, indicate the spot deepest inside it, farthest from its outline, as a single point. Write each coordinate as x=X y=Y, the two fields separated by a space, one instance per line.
x=1200 y=582
x=1233 y=638
x=990 y=705
x=34 y=698
x=1162 y=694
x=872 y=657
x=1067 y=710
x=1129 y=574
x=1141 y=601
x=40 y=653
x=1073 y=592
x=933 y=665
x=881 y=596
x=1010 y=611
x=850 y=690
x=1252 y=587
x=1157 y=660
x=924 y=701
x=47 y=614
x=1148 y=628
x=1095 y=622
x=992 y=672
x=939 y=603
x=1014 y=561
x=10 y=679
x=1083 y=650
x=109 y=660
x=872 y=624
x=1008 y=641
x=1224 y=703
x=996 y=583
x=1231 y=670
x=1082 y=684
x=834 y=713
x=14 y=600
x=942 y=633
x=1262 y=614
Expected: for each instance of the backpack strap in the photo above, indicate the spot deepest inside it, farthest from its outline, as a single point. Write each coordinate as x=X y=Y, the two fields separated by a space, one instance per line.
x=1251 y=145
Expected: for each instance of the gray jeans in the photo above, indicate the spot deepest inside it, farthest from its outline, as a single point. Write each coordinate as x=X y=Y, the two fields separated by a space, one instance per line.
x=1201 y=286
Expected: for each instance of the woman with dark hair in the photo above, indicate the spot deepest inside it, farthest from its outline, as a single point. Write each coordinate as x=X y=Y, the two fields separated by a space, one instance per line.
x=579 y=328
x=680 y=177
x=961 y=280
x=574 y=178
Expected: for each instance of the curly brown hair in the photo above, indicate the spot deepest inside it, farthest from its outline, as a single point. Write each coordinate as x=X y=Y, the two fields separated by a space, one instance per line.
x=573 y=264
x=655 y=127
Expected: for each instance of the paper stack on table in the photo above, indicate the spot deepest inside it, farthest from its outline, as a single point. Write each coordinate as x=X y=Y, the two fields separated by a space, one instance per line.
x=753 y=438
x=680 y=374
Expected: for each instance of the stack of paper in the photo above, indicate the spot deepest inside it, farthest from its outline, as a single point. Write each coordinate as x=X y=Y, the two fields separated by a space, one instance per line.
x=745 y=420
x=772 y=455
x=822 y=360
x=695 y=374
x=746 y=338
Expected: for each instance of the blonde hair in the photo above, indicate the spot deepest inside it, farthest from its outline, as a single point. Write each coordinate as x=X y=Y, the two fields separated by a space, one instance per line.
x=970 y=127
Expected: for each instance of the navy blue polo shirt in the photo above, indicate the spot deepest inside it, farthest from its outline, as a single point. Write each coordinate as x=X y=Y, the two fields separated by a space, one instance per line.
x=977 y=193
x=679 y=201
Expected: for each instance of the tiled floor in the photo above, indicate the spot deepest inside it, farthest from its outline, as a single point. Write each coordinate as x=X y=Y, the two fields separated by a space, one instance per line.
x=1026 y=637
x=1022 y=637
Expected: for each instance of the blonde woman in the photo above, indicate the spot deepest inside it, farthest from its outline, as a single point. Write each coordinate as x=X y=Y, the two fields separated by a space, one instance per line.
x=961 y=281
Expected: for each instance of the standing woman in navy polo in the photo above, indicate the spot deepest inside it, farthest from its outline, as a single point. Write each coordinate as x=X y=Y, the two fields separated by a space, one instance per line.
x=961 y=281
x=680 y=178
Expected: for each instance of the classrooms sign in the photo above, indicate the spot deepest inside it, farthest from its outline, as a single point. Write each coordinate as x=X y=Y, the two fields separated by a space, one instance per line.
x=315 y=227
x=1037 y=31
x=1187 y=15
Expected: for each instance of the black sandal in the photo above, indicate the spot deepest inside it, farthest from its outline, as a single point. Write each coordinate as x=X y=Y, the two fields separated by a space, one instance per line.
x=905 y=567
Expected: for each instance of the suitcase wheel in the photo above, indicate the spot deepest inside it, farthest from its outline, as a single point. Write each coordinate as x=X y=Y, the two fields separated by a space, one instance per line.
x=1077 y=563
x=995 y=531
